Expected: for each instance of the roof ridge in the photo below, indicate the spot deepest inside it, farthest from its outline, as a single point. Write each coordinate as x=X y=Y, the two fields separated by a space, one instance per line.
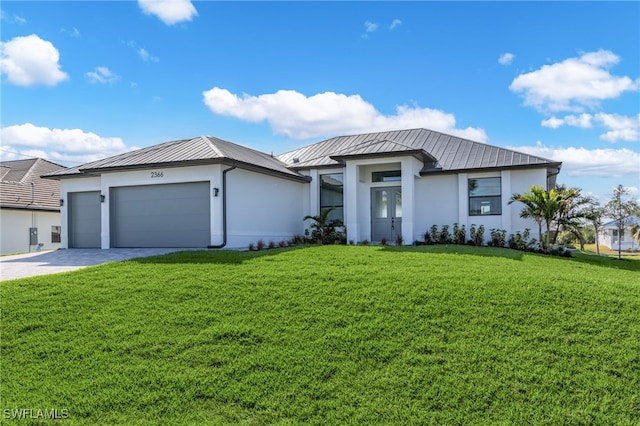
x=213 y=146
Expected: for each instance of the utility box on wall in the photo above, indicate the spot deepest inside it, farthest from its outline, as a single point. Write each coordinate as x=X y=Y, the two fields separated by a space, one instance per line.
x=33 y=236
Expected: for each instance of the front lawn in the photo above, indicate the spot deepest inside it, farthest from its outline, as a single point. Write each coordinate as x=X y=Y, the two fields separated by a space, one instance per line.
x=327 y=335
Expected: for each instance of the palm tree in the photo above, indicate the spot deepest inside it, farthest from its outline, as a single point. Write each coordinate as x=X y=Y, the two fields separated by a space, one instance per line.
x=594 y=214
x=323 y=230
x=571 y=211
x=541 y=206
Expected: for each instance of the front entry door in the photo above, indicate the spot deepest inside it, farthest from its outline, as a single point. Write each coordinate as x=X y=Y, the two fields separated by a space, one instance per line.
x=386 y=213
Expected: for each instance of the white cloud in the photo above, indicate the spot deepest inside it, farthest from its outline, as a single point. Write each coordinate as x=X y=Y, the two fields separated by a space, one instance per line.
x=73 y=145
x=102 y=75
x=506 y=58
x=169 y=11
x=395 y=23
x=370 y=26
x=618 y=127
x=573 y=84
x=300 y=117
x=13 y=19
x=616 y=163
x=30 y=60
x=146 y=56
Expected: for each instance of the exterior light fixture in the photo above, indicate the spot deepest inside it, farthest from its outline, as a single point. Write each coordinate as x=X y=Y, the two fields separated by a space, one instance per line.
x=61 y=202
x=102 y=198
x=215 y=191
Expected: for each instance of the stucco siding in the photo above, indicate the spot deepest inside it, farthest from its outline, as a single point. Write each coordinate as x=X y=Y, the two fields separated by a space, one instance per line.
x=262 y=207
x=15 y=226
x=436 y=202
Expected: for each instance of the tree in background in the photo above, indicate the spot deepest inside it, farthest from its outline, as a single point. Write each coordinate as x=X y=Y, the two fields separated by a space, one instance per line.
x=620 y=208
x=594 y=214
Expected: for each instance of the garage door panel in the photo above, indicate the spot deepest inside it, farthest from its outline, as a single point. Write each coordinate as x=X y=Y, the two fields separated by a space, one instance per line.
x=84 y=219
x=168 y=215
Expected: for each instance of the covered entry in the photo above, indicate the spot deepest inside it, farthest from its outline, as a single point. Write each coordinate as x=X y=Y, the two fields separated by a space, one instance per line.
x=386 y=213
x=168 y=215
x=84 y=219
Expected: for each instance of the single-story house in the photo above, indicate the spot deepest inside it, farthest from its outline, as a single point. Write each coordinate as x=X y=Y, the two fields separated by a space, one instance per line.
x=29 y=206
x=207 y=192
x=608 y=235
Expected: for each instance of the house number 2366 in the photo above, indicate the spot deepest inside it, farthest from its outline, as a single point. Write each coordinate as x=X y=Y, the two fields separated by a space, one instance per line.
x=157 y=174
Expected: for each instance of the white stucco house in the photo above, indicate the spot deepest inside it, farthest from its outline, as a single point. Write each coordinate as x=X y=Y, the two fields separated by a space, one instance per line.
x=608 y=235
x=29 y=206
x=206 y=192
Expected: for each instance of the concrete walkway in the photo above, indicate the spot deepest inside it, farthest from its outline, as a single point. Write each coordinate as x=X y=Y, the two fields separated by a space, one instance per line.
x=51 y=262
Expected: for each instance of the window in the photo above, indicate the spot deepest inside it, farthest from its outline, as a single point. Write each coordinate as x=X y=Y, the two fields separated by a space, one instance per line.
x=388 y=176
x=55 y=234
x=485 y=197
x=331 y=195
x=614 y=236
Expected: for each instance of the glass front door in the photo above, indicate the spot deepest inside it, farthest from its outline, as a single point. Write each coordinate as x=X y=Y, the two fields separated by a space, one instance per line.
x=386 y=214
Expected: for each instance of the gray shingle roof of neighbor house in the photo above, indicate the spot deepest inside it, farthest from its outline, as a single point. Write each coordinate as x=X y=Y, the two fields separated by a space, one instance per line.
x=186 y=152
x=21 y=186
x=441 y=152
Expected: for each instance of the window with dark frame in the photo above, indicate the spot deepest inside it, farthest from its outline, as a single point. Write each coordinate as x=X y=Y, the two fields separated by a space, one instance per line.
x=55 y=234
x=387 y=176
x=332 y=195
x=485 y=197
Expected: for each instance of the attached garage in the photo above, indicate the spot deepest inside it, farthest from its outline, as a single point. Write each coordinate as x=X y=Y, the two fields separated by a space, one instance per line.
x=84 y=219
x=166 y=215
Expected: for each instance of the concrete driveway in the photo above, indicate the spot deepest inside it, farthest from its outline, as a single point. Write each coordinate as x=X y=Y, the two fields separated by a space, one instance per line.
x=51 y=262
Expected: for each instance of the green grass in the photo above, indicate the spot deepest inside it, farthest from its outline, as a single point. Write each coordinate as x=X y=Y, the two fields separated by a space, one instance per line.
x=329 y=335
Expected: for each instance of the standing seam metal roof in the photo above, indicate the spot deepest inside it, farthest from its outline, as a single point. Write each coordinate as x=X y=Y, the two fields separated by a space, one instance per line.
x=198 y=150
x=451 y=152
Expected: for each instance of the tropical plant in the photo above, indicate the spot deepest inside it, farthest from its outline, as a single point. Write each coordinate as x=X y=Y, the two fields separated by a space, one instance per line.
x=444 y=237
x=459 y=234
x=620 y=209
x=476 y=235
x=498 y=237
x=571 y=212
x=325 y=230
x=541 y=206
x=594 y=214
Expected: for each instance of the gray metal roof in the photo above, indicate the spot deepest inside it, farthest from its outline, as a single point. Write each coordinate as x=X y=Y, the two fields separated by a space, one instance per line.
x=21 y=186
x=185 y=152
x=449 y=153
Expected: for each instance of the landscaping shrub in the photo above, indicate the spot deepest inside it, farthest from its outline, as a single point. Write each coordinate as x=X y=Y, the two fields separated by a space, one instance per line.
x=498 y=238
x=444 y=237
x=459 y=234
x=476 y=235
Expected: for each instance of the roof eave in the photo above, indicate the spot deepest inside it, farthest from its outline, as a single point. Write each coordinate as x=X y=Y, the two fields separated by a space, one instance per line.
x=549 y=166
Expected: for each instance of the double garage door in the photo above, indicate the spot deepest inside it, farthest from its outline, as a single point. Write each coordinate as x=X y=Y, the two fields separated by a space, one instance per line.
x=171 y=215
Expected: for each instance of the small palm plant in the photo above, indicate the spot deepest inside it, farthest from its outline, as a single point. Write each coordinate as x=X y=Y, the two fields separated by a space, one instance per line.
x=325 y=230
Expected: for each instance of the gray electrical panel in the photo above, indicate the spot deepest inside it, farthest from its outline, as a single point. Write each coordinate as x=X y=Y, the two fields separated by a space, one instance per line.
x=33 y=236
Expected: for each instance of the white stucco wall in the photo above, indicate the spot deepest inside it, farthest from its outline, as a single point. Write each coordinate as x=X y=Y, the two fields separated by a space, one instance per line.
x=444 y=200
x=14 y=230
x=258 y=206
x=262 y=207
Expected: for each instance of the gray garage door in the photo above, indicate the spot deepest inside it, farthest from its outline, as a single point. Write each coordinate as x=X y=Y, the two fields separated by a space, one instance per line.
x=171 y=215
x=84 y=219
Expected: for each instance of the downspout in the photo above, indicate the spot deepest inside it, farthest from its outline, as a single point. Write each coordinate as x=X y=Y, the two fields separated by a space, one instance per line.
x=224 y=209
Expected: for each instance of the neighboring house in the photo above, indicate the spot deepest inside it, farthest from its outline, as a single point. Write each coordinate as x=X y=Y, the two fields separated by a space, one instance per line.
x=608 y=235
x=206 y=192
x=29 y=206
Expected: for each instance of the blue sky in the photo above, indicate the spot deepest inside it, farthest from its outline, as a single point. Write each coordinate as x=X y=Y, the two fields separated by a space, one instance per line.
x=86 y=80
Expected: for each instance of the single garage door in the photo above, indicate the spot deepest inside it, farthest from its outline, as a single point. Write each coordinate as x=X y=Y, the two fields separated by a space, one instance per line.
x=84 y=219
x=171 y=215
